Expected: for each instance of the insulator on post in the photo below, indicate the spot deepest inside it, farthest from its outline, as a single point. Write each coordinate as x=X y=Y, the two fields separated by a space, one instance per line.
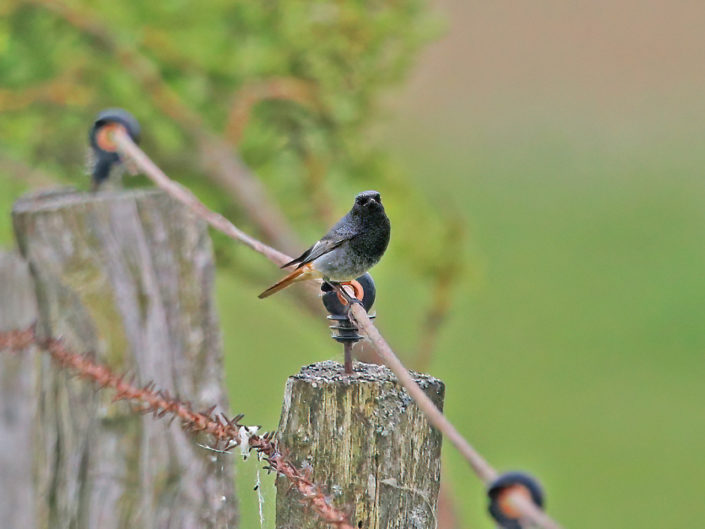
x=344 y=329
x=105 y=155
x=500 y=507
x=112 y=116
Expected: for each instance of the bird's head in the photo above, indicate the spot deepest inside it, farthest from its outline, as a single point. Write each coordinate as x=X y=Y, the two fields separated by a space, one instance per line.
x=368 y=202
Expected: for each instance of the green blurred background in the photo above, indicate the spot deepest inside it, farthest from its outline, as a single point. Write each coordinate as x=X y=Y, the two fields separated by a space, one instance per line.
x=545 y=158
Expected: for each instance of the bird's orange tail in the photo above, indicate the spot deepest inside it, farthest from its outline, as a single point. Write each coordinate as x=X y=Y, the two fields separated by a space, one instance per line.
x=296 y=275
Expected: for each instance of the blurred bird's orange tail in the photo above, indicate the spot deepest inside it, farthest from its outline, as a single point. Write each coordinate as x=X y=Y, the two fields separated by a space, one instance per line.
x=297 y=275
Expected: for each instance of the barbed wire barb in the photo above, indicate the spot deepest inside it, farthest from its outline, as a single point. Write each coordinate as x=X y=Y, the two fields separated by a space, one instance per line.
x=160 y=403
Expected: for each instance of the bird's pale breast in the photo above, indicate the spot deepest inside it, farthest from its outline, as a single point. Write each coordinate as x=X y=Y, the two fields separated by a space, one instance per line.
x=343 y=265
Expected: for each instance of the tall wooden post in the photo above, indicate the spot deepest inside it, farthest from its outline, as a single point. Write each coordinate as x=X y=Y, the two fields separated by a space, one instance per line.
x=18 y=404
x=127 y=276
x=368 y=444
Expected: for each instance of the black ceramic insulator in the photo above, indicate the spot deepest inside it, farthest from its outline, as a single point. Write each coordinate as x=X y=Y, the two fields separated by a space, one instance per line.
x=333 y=305
x=114 y=115
x=104 y=160
x=344 y=329
x=504 y=482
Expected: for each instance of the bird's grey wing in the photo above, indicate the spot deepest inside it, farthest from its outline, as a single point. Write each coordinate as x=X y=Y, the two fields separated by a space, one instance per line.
x=337 y=235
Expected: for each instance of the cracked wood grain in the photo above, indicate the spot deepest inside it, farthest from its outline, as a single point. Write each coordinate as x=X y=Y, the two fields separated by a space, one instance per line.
x=370 y=445
x=17 y=403
x=127 y=276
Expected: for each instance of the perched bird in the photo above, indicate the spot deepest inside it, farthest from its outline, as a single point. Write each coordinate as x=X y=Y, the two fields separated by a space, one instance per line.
x=351 y=247
x=104 y=161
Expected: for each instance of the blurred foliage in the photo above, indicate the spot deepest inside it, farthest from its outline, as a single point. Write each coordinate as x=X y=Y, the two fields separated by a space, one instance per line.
x=579 y=355
x=295 y=84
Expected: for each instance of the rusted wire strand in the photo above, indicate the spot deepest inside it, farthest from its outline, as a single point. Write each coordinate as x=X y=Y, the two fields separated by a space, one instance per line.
x=227 y=432
x=529 y=512
x=128 y=148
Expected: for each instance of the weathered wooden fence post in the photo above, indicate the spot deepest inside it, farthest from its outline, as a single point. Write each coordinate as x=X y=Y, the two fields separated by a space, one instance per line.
x=127 y=276
x=18 y=404
x=368 y=443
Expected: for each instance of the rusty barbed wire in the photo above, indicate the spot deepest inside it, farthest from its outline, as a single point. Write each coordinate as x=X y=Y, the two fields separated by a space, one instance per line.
x=227 y=432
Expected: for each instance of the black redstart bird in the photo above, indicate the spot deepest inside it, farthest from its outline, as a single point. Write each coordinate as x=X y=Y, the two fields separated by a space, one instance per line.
x=350 y=248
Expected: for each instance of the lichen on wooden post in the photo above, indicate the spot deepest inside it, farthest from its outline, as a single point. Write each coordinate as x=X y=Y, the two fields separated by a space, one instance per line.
x=128 y=277
x=370 y=447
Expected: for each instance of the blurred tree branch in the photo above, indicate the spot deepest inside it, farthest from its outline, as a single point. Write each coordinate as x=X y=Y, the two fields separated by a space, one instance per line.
x=445 y=280
x=63 y=89
x=329 y=60
x=224 y=167
x=215 y=150
x=282 y=88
